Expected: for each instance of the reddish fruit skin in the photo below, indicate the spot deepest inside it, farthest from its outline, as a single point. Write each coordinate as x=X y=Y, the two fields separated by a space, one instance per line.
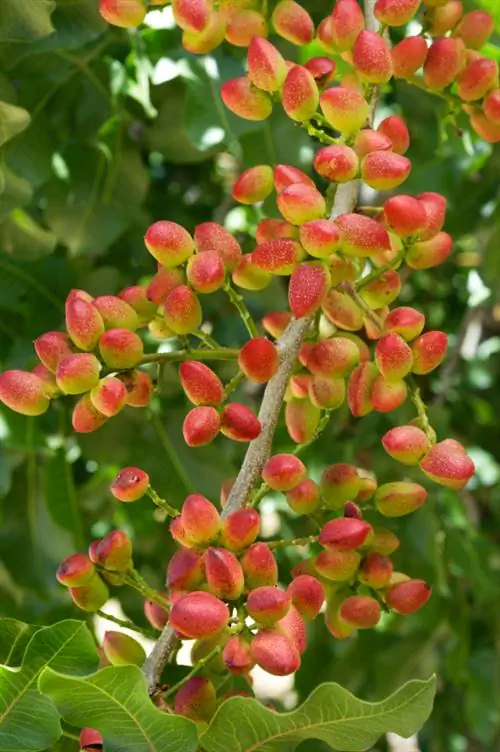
x=200 y=43
x=121 y=348
x=345 y=533
x=266 y=66
x=375 y=570
x=347 y=22
x=272 y=229
x=322 y=70
x=185 y=569
x=282 y=472
x=245 y=100
x=304 y=498
x=122 y=650
x=320 y=237
x=76 y=570
x=395 y=12
x=224 y=574
x=156 y=615
x=84 y=323
x=205 y=272
x=248 y=276
x=406 y=444
x=405 y=321
x=393 y=357
x=201 y=385
x=477 y=79
x=85 y=418
x=90 y=737
x=259 y=566
x=387 y=395
x=51 y=348
x=430 y=253
x=407 y=597
x=408 y=56
x=253 y=185
x=293 y=626
x=201 y=425
x=244 y=25
x=384 y=541
x=400 y=498
x=300 y=94
x=240 y=529
x=196 y=699
x=78 y=373
x=267 y=605
x=345 y=110
x=116 y=312
x=368 y=140
x=130 y=484
x=491 y=107
x=429 y=351
x=372 y=58
x=292 y=22
x=114 y=551
x=339 y=483
x=123 y=13
x=109 y=396
x=485 y=128
x=448 y=464
x=182 y=310
x=385 y=170
x=169 y=243
x=191 y=15
x=239 y=423
x=363 y=236
x=394 y=128
x=475 y=28
x=308 y=286
x=332 y=357
x=360 y=611
x=200 y=519
x=337 y=566
x=307 y=595
x=137 y=298
x=23 y=392
x=445 y=59
x=284 y=176
x=405 y=215
x=301 y=203
x=237 y=656
x=139 y=388
x=275 y=652
x=301 y=418
x=337 y=162
x=278 y=256
x=360 y=387
x=326 y=392
x=199 y=615
x=164 y=281
x=258 y=359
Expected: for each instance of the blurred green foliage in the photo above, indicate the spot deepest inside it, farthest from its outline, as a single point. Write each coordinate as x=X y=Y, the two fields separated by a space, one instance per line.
x=103 y=131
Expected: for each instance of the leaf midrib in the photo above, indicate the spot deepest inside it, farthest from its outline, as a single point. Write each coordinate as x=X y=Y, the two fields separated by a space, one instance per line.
x=339 y=720
x=37 y=672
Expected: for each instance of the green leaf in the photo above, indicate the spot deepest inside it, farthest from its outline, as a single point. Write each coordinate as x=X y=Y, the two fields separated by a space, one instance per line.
x=68 y=647
x=13 y=120
x=330 y=714
x=14 y=636
x=24 y=238
x=25 y=21
x=115 y=701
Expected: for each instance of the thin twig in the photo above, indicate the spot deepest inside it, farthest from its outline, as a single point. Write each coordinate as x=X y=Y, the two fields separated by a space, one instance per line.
x=272 y=401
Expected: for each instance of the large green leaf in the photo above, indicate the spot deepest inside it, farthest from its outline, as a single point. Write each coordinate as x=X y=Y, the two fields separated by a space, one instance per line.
x=25 y=21
x=330 y=714
x=115 y=701
x=14 y=636
x=67 y=646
